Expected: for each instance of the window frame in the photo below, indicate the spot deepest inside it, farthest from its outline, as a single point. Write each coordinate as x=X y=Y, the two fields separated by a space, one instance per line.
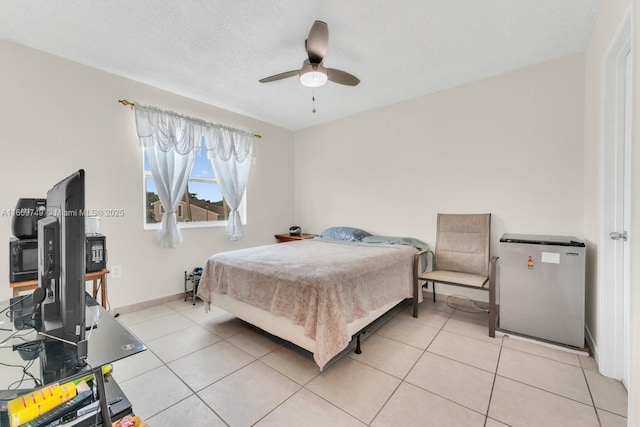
x=186 y=225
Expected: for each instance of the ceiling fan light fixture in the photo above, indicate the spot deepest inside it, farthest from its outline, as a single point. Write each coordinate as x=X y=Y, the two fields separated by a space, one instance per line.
x=313 y=79
x=313 y=75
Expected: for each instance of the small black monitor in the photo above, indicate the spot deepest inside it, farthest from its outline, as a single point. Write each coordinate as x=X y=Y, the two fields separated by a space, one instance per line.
x=61 y=262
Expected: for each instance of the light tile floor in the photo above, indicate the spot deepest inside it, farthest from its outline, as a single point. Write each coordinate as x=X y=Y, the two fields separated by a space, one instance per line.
x=440 y=369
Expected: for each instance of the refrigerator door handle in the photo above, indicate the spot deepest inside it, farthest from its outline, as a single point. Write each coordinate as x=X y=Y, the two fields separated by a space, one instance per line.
x=618 y=236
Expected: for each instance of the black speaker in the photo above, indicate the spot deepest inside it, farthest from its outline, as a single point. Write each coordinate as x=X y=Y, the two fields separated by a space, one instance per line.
x=96 y=252
x=24 y=223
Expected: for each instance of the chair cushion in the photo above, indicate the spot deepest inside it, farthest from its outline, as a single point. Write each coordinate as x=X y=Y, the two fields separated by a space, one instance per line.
x=462 y=243
x=455 y=278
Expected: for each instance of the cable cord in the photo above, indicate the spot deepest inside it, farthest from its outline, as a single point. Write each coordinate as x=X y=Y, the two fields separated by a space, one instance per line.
x=96 y=317
x=15 y=334
x=108 y=303
x=25 y=373
x=95 y=396
x=473 y=305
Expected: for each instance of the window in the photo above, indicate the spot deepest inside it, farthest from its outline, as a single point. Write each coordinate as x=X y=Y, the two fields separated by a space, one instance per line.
x=201 y=205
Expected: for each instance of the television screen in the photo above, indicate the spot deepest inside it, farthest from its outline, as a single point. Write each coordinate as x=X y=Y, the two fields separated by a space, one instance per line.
x=61 y=262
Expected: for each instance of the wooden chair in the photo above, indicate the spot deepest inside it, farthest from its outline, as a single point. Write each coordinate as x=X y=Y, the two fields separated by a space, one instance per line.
x=462 y=257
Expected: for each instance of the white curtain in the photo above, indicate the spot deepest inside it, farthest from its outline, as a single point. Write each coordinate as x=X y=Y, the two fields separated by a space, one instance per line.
x=170 y=141
x=229 y=153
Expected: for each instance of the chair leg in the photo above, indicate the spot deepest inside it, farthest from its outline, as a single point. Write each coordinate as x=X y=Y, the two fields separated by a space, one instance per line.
x=492 y=319
x=492 y=314
x=434 y=291
x=416 y=290
x=492 y=298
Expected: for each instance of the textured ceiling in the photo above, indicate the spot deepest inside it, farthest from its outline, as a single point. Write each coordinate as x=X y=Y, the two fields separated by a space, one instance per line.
x=216 y=51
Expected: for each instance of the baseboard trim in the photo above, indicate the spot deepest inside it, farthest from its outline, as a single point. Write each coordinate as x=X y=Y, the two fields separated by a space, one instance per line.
x=592 y=344
x=146 y=304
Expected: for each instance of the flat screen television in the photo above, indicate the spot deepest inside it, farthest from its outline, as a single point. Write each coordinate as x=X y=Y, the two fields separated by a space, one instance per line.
x=61 y=263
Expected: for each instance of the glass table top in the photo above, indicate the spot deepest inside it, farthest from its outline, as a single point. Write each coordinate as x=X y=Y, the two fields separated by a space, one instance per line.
x=29 y=360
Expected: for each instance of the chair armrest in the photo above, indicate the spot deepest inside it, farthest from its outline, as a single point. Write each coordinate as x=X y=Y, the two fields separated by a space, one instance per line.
x=416 y=284
x=417 y=261
x=492 y=269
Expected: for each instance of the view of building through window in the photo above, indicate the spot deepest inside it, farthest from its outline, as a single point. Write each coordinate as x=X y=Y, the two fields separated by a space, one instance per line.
x=202 y=201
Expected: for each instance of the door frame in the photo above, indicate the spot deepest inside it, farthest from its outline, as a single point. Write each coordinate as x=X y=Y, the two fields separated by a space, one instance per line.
x=614 y=296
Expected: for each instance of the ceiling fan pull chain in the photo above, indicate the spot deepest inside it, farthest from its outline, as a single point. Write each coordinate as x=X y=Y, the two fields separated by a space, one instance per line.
x=313 y=98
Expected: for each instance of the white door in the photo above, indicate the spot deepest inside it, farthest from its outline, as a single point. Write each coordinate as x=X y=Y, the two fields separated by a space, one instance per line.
x=621 y=234
x=614 y=289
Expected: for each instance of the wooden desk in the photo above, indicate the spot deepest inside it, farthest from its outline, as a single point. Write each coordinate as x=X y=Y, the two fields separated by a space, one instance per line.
x=99 y=279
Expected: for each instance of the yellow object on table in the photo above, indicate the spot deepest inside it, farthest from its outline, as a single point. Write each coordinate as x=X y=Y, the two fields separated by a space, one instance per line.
x=29 y=406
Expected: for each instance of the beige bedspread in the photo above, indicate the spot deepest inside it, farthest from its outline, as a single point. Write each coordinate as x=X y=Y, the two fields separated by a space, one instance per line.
x=319 y=284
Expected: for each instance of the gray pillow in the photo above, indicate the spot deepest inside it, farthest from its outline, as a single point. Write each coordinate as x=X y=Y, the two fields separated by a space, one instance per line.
x=410 y=241
x=350 y=234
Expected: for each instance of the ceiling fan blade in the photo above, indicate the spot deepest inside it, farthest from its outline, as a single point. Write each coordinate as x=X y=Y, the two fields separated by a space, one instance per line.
x=280 y=76
x=342 y=77
x=316 y=43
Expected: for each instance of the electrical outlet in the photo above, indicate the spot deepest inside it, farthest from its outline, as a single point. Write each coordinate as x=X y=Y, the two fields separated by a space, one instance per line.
x=116 y=272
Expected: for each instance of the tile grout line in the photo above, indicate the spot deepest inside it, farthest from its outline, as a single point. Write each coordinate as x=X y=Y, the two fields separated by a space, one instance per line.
x=174 y=373
x=174 y=311
x=591 y=395
x=256 y=359
x=193 y=392
x=453 y=360
x=547 y=391
x=403 y=380
x=493 y=385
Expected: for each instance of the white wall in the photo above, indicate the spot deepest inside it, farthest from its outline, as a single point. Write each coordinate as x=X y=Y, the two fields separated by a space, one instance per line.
x=511 y=145
x=58 y=116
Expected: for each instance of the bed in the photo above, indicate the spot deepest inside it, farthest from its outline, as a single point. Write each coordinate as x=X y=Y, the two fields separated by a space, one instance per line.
x=316 y=293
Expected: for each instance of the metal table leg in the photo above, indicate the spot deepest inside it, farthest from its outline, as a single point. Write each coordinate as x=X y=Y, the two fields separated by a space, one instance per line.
x=104 y=406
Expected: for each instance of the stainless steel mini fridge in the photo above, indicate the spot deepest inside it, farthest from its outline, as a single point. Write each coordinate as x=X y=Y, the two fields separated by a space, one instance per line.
x=542 y=287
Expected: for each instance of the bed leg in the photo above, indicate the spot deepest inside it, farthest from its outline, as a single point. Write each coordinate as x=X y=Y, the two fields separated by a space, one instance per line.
x=358 y=349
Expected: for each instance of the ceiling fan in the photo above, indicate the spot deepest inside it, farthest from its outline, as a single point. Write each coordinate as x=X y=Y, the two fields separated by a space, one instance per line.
x=313 y=73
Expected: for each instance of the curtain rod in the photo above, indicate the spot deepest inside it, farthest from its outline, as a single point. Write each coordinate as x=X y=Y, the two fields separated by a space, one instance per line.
x=132 y=104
